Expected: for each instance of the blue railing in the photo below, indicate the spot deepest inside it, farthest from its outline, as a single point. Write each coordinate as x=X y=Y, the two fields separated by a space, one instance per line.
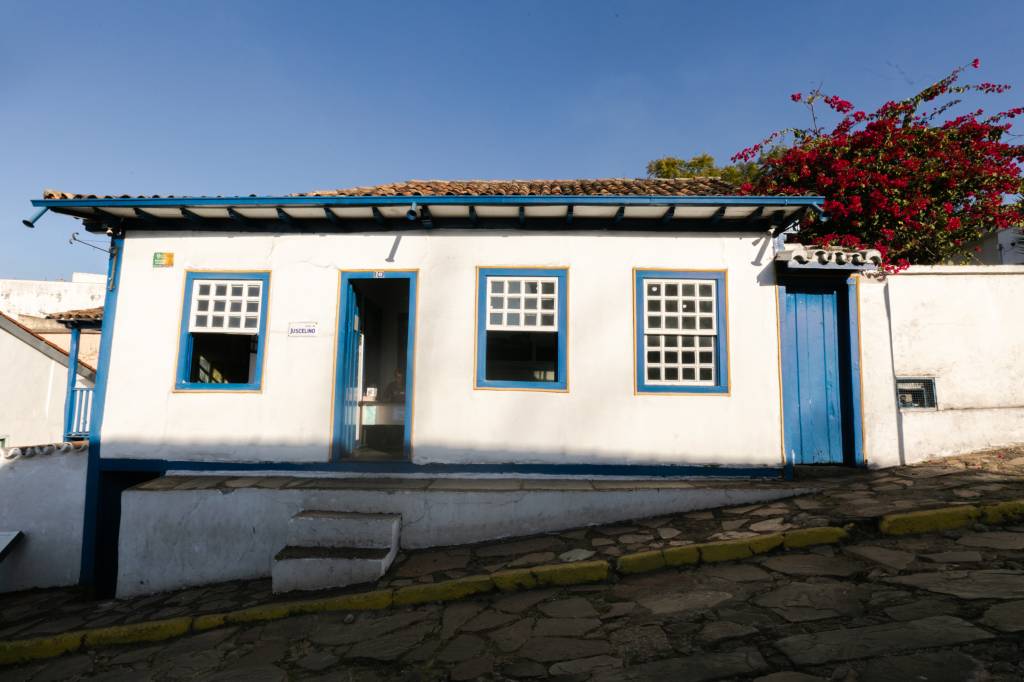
x=81 y=412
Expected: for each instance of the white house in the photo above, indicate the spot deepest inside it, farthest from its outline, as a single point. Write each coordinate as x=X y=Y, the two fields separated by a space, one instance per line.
x=35 y=376
x=31 y=302
x=587 y=329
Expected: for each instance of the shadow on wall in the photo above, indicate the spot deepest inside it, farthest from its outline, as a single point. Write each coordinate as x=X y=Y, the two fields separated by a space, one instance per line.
x=428 y=457
x=43 y=496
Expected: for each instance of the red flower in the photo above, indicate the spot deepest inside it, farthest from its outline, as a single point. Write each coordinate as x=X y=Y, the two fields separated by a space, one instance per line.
x=901 y=178
x=975 y=62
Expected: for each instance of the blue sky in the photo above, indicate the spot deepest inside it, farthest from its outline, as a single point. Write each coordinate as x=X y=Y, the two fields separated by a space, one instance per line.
x=271 y=98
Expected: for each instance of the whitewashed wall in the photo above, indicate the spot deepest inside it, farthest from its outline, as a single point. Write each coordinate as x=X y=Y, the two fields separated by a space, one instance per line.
x=961 y=325
x=599 y=420
x=32 y=397
x=41 y=297
x=43 y=496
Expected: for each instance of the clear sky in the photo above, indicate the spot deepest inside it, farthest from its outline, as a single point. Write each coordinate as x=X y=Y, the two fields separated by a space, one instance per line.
x=271 y=98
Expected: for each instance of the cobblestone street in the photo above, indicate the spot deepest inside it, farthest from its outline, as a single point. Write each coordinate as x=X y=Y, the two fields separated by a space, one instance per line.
x=941 y=606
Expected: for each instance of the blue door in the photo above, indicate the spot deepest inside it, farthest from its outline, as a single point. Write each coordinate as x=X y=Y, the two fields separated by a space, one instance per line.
x=347 y=387
x=816 y=372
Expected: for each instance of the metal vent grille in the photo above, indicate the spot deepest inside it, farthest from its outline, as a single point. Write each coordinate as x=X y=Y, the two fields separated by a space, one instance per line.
x=916 y=393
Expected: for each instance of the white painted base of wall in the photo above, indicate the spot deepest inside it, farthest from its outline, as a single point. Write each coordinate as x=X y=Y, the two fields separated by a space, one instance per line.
x=173 y=539
x=945 y=433
x=44 y=497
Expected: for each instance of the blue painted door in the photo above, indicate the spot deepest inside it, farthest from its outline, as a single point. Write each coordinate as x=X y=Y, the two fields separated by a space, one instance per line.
x=347 y=397
x=814 y=372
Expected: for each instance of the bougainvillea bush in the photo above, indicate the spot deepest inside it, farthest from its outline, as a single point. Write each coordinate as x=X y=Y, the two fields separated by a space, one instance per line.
x=918 y=187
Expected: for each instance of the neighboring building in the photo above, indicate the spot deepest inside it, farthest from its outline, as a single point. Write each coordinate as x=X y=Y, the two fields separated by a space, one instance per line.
x=639 y=328
x=1002 y=247
x=34 y=407
x=30 y=302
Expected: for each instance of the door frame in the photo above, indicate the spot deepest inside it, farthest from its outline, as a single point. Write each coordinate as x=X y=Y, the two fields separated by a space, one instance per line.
x=852 y=414
x=339 y=423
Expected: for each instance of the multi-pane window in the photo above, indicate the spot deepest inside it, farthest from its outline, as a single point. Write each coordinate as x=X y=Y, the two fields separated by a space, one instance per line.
x=679 y=335
x=522 y=317
x=230 y=307
x=223 y=334
x=522 y=303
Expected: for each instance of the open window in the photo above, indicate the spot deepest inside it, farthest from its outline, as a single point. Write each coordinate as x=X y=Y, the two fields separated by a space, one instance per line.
x=521 y=328
x=223 y=331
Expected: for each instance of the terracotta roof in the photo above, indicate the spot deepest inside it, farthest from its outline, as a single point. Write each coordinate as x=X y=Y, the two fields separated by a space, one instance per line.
x=598 y=187
x=84 y=314
x=6 y=319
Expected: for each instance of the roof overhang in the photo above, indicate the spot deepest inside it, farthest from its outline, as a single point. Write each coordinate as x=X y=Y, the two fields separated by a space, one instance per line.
x=340 y=213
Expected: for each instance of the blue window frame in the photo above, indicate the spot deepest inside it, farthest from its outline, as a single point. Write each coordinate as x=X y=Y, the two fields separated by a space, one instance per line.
x=681 y=331
x=223 y=331
x=522 y=316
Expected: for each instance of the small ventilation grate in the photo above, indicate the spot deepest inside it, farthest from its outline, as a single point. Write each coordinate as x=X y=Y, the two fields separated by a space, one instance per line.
x=916 y=393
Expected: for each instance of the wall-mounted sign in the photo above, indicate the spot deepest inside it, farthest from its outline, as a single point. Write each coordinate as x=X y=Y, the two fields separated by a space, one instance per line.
x=163 y=259
x=303 y=329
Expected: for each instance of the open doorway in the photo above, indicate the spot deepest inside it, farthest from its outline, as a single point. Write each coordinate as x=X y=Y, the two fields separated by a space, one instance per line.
x=375 y=366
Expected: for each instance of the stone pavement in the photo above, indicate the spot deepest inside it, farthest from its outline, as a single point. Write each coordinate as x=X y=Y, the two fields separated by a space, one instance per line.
x=946 y=606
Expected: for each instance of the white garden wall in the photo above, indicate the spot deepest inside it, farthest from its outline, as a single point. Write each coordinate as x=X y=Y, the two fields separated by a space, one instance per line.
x=961 y=325
x=43 y=496
x=598 y=421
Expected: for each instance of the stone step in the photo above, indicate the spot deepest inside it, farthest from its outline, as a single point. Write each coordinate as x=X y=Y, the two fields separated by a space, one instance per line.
x=321 y=568
x=316 y=528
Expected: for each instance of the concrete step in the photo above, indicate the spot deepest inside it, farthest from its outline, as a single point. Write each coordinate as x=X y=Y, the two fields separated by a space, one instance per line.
x=321 y=568
x=314 y=528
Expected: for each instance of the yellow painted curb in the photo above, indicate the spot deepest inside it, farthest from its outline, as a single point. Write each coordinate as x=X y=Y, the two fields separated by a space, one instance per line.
x=146 y=631
x=514 y=579
x=24 y=650
x=209 y=621
x=640 y=562
x=1003 y=512
x=360 y=601
x=447 y=590
x=929 y=520
x=725 y=550
x=259 y=613
x=575 y=573
x=685 y=555
x=805 y=537
x=765 y=543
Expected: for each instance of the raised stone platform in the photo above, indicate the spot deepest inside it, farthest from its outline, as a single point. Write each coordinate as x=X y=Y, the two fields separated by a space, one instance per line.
x=184 y=530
